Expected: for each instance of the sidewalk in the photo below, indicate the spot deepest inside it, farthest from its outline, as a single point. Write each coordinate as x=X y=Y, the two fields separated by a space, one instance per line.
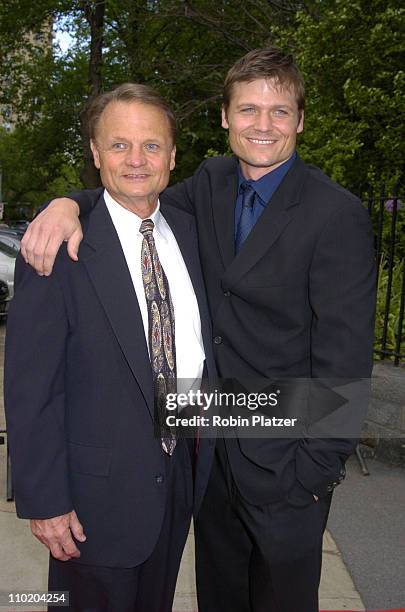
x=23 y=562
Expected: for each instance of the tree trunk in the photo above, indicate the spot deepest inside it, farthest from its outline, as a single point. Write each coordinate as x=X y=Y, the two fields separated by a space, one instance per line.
x=94 y=12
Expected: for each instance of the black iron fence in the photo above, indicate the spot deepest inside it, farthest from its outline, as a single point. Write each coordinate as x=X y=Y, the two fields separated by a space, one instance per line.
x=388 y=215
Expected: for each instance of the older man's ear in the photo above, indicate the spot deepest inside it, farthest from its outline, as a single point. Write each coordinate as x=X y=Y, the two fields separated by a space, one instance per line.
x=96 y=156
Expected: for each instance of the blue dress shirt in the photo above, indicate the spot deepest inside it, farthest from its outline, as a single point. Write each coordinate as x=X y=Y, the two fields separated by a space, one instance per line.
x=264 y=187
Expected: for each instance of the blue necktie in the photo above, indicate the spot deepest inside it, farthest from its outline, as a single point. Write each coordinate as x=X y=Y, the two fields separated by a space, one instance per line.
x=246 y=218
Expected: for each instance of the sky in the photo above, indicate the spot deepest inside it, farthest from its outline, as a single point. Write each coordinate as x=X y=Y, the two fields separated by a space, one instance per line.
x=64 y=40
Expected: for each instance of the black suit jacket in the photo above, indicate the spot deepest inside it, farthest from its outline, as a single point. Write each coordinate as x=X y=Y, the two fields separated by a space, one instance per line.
x=79 y=396
x=296 y=301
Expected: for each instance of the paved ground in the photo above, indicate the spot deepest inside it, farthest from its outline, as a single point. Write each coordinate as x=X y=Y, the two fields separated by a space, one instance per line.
x=23 y=563
x=366 y=521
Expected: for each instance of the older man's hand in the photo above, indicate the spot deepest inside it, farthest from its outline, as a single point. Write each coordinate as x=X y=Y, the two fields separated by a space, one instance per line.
x=57 y=223
x=56 y=533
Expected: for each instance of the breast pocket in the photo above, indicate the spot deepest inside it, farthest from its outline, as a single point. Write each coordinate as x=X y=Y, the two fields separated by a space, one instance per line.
x=273 y=281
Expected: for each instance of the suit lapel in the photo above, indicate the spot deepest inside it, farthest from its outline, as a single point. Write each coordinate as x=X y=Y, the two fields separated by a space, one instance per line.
x=181 y=225
x=102 y=255
x=183 y=229
x=224 y=190
x=273 y=221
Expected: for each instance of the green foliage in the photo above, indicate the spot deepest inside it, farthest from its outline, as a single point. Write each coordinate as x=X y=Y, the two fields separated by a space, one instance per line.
x=350 y=52
x=31 y=175
x=395 y=302
x=352 y=59
x=389 y=232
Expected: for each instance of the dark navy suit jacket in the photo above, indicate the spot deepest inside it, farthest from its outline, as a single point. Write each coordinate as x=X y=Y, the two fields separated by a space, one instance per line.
x=79 y=396
x=297 y=301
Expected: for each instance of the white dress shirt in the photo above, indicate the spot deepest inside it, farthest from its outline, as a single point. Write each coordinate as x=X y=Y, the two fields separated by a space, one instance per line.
x=188 y=339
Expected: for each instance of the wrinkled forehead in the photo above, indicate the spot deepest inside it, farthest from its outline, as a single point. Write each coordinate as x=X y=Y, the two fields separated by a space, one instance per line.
x=126 y=117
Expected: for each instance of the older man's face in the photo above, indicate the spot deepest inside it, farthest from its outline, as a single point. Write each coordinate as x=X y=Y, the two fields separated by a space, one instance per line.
x=134 y=151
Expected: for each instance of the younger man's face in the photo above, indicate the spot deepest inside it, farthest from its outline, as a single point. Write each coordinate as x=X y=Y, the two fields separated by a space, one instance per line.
x=263 y=122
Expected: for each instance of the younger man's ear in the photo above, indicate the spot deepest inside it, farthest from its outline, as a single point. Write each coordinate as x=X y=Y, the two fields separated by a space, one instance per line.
x=173 y=158
x=300 y=126
x=224 y=122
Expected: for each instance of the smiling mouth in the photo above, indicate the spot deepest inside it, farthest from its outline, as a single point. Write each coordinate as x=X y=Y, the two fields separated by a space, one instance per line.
x=261 y=141
x=136 y=176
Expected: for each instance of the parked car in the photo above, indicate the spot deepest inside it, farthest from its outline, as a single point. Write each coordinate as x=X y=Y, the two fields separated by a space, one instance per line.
x=4 y=298
x=20 y=225
x=10 y=239
x=13 y=231
x=7 y=264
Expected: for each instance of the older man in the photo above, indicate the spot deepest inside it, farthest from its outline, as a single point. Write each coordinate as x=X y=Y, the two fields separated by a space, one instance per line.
x=287 y=257
x=88 y=351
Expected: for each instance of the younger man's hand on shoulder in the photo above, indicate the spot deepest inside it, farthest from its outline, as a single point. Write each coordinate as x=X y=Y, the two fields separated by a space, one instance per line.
x=58 y=222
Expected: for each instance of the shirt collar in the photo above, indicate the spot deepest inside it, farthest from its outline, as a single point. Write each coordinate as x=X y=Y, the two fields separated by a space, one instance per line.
x=267 y=184
x=124 y=216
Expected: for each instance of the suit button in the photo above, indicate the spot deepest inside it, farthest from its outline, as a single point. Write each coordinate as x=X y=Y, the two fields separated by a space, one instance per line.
x=159 y=479
x=217 y=340
x=227 y=293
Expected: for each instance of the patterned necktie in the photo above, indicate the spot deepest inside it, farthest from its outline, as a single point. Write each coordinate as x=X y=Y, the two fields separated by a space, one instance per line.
x=246 y=218
x=160 y=333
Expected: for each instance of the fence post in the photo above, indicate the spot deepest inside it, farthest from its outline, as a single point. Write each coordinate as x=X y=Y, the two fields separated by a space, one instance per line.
x=380 y=224
x=391 y=261
x=400 y=317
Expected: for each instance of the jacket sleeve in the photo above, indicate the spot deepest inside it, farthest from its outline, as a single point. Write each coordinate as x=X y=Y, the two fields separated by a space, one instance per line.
x=86 y=199
x=182 y=195
x=342 y=296
x=37 y=330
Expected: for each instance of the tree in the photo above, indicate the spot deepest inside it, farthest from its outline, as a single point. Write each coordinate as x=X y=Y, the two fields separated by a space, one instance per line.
x=47 y=92
x=352 y=59
x=94 y=13
x=349 y=50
